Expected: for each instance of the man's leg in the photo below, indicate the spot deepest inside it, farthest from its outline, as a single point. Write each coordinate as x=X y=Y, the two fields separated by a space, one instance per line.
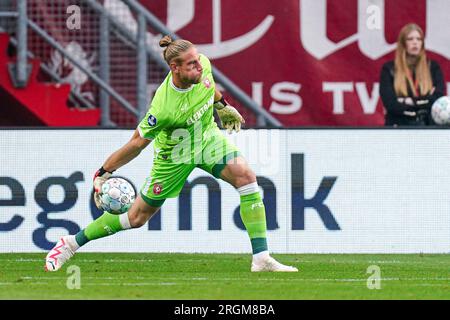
x=253 y=214
x=105 y=225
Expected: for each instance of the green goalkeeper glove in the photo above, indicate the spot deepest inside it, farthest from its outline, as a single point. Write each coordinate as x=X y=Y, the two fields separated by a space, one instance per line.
x=230 y=118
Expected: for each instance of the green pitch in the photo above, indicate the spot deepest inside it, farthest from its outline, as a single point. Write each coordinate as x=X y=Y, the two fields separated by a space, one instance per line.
x=224 y=276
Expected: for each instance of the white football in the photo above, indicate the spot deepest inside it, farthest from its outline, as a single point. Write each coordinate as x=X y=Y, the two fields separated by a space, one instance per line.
x=117 y=195
x=440 y=111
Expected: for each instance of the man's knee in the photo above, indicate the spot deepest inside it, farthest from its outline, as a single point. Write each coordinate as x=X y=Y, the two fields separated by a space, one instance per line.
x=238 y=173
x=244 y=177
x=136 y=220
x=140 y=217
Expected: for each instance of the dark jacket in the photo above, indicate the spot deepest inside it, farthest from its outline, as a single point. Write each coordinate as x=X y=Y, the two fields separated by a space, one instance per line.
x=398 y=113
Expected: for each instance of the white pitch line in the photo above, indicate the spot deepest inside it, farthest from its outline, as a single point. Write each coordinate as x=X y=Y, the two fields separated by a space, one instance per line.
x=82 y=260
x=432 y=285
x=132 y=284
x=244 y=279
x=135 y=284
x=100 y=261
x=300 y=261
x=354 y=261
x=21 y=260
x=15 y=283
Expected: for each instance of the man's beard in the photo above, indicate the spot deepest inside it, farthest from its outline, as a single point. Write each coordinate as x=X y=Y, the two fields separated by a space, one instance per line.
x=193 y=80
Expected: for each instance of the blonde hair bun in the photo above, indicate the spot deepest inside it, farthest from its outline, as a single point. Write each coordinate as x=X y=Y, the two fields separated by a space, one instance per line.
x=165 y=41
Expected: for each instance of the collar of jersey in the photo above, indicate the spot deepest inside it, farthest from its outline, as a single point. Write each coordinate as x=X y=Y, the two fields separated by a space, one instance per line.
x=179 y=89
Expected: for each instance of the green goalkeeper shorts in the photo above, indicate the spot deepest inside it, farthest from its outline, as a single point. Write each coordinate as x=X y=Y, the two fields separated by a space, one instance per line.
x=168 y=176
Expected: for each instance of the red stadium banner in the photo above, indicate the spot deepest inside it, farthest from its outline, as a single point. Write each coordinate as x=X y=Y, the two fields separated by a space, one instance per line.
x=308 y=62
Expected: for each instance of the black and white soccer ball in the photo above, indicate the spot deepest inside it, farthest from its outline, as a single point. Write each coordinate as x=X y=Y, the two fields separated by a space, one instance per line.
x=440 y=111
x=117 y=195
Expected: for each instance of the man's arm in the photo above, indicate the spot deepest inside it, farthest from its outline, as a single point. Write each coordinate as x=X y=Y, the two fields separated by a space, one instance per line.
x=126 y=153
x=217 y=95
x=119 y=158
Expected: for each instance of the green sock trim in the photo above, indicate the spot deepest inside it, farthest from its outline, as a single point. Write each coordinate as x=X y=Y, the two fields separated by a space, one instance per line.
x=81 y=238
x=217 y=169
x=152 y=202
x=259 y=245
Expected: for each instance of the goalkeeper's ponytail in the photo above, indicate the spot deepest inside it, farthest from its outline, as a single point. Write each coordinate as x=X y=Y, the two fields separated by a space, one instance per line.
x=174 y=48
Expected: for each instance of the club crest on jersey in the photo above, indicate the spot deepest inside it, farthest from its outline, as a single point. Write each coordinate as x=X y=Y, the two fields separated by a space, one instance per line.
x=157 y=188
x=151 y=120
x=207 y=83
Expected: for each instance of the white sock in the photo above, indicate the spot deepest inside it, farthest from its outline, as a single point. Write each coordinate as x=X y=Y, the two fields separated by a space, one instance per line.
x=125 y=221
x=248 y=189
x=72 y=243
x=261 y=255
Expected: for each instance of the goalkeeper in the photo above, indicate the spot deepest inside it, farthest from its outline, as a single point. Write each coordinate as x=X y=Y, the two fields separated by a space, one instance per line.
x=181 y=123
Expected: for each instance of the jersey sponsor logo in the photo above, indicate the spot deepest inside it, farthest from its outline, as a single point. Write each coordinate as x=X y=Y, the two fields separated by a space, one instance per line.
x=148 y=182
x=157 y=188
x=151 y=120
x=200 y=111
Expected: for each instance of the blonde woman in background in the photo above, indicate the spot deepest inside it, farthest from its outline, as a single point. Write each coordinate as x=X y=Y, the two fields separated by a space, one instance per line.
x=411 y=83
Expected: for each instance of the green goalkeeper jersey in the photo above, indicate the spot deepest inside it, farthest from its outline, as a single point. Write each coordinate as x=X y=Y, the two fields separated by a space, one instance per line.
x=177 y=115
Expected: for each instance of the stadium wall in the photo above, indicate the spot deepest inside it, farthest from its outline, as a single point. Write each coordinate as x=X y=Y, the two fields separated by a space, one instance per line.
x=307 y=62
x=325 y=190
